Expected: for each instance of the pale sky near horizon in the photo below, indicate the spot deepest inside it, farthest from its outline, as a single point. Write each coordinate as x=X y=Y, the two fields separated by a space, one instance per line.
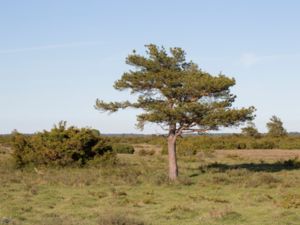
x=58 y=56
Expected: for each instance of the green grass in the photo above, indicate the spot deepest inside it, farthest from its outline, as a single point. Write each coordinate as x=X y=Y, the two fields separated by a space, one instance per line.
x=210 y=191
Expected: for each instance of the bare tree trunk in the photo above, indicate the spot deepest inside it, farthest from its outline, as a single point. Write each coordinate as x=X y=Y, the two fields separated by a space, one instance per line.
x=173 y=168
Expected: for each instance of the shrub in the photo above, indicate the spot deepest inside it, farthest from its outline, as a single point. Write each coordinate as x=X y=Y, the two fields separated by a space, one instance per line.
x=187 y=148
x=241 y=145
x=251 y=131
x=265 y=144
x=123 y=148
x=59 y=146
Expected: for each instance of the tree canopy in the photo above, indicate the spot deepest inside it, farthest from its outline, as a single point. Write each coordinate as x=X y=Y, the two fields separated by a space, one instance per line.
x=251 y=130
x=177 y=95
x=174 y=91
x=275 y=127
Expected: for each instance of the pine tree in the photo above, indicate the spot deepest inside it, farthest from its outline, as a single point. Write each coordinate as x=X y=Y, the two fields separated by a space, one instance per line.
x=275 y=127
x=177 y=95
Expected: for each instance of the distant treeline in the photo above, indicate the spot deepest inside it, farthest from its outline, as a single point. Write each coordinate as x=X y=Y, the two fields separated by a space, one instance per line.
x=190 y=145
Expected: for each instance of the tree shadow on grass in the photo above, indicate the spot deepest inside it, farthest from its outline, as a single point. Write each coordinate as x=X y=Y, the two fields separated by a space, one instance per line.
x=291 y=164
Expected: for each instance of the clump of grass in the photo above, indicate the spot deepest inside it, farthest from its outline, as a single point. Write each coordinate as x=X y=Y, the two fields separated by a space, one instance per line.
x=160 y=179
x=144 y=152
x=290 y=201
x=122 y=173
x=6 y=220
x=122 y=148
x=262 y=179
x=179 y=209
x=204 y=198
x=187 y=181
x=119 y=219
x=238 y=173
x=149 y=201
x=225 y=215
x=221 y=179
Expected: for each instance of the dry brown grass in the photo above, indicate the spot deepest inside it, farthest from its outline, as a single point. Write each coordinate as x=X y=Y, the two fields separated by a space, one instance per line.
x=274 y=154
x=224 y=187
x=147 y=148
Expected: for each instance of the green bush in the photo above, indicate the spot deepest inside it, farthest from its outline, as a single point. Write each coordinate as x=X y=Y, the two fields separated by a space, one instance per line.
x=123 y=148
x=241 y=145
x=59 y=146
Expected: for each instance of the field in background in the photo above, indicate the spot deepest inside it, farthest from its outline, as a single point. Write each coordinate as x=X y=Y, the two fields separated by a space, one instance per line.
x=222 y=187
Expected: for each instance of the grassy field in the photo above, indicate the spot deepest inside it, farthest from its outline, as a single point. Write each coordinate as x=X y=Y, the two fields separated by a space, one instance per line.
x=225 y=187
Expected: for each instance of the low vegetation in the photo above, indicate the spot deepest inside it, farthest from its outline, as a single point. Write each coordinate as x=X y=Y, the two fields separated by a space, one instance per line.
x=61 y=146
x=122 y=148
x=73 y=176
x=191 y=145
x=212 y=189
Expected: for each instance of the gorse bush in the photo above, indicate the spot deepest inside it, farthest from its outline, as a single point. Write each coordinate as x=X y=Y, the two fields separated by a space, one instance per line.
x=59 y=146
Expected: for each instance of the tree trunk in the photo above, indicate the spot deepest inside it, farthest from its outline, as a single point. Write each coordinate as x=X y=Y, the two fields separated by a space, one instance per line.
x=173 y=168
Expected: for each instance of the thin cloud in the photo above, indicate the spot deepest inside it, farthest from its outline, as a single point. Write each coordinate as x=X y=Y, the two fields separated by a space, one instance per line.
x=53 y=46
x=251 y=59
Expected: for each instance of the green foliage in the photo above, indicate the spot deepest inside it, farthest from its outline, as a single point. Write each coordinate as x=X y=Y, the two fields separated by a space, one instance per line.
x=191 y=145
x=275 y=127
x=59 y=146
x=174 y=91
x=123 y=148
x=251 y=130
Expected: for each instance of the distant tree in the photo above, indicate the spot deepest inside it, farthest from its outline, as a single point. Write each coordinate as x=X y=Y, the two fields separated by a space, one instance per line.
x=250 y=130
x=275 y=127
x=177 y=95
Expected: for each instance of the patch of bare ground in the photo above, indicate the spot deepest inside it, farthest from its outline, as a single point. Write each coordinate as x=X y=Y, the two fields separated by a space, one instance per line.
x=274 y=154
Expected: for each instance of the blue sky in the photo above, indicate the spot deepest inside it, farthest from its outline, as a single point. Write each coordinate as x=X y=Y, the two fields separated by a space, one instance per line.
x=58 y=56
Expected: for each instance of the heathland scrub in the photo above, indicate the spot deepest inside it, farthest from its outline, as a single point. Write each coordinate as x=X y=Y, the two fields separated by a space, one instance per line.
x=212 y=189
